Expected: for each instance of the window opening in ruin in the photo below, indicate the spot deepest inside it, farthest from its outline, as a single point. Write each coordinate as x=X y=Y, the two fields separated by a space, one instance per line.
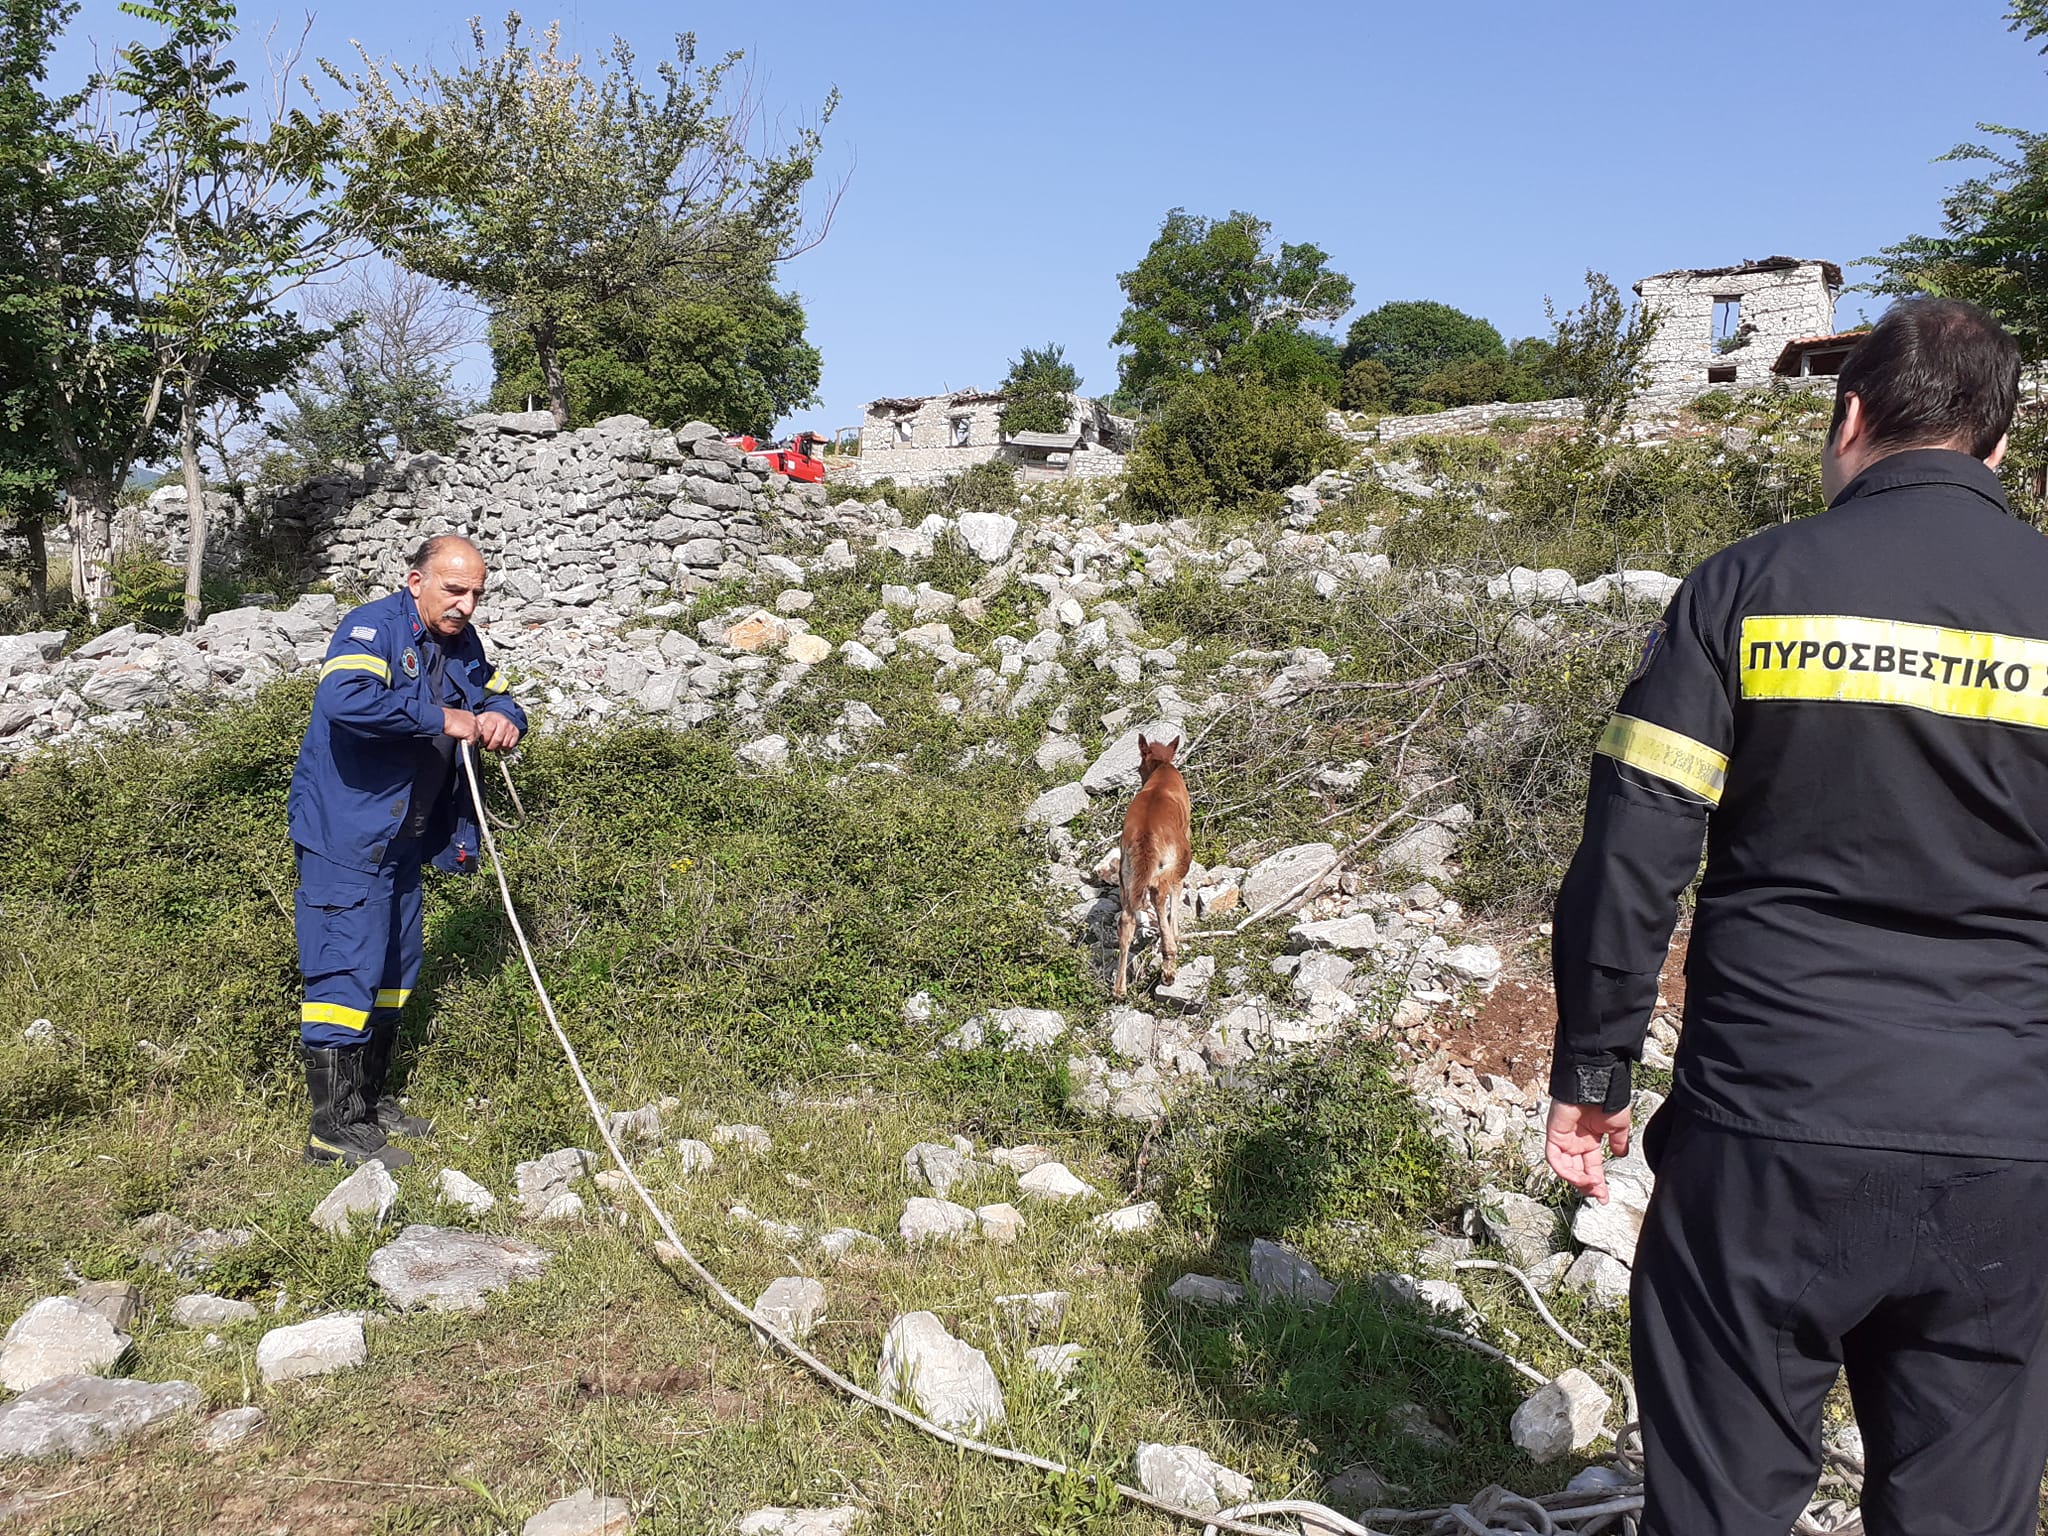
x=903 y=429
x=1727 y=320
x=961 y=430
x=1722 y=375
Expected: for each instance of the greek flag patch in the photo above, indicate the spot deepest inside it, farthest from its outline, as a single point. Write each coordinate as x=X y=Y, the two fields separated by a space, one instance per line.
x=362 y=632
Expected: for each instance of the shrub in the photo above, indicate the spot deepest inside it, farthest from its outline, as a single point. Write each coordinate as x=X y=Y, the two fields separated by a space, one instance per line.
x=1228 y=445
x=1368 y=386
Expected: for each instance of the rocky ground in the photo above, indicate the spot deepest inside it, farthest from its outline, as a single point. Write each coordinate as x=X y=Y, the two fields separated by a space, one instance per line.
x=1034 y=610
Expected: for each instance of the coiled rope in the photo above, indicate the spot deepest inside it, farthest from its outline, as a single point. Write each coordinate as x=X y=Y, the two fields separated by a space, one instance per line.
x=1487 y=1515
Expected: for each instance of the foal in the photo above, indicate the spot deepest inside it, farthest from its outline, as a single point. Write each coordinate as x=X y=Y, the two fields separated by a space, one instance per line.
x=1155 y=855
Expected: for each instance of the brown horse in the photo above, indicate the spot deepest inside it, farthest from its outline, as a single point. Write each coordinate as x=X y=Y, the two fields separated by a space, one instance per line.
x=1155 y=853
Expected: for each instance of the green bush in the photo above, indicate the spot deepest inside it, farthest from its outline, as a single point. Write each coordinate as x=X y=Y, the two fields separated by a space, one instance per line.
x=1227 y=445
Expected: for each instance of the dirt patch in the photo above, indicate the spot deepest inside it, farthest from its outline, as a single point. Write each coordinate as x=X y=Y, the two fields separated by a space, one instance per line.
x=1511 y=1034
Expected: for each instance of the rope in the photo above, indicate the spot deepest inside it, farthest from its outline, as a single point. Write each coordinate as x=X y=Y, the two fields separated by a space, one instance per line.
x=1234 y=1520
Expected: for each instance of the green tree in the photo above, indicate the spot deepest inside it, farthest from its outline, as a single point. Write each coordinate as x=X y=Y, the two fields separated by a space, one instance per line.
x=734 y=356
x=1598 y=351
x=1205 y=298
x=1038 y=390
x=1414 y=338
x=77 y=376
x=552 y=197
x=1368 y=386
x=243 y=217
x=1227 y=444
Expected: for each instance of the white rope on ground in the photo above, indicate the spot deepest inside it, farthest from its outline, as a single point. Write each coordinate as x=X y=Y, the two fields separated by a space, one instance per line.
x=1228 y=1520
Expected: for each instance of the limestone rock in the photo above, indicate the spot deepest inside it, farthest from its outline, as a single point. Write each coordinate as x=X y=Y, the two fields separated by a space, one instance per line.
x=1473 y=962
x=204 y=1311
x=769 y=753
x=370 y=1191
x=1001 y=1224
x=987 y=535
x=939 y=1167
x=1057 y=806
x=1205 y=1291
x=1614 y=1227
x=694 y=1156
x=1141 y=1217
x=1054 y=1181
x=1054 y=1360
x=926 y=1220
x=118 y=1301
x=229 y=1428
x=1525 y=1227
x=1561 y=1418
x=1187 y=1476
x=793 y=1304
x=759 y=631
x=59 y=1336
x=540 y=1181
x=1034 y=1311
x=842 y=1241
x=444 y=1269
x=457 y=1188
x=1279 y=1273
x=1272 y=878
x=1346 y=935
x=583 y=1513
x=83 y=1415
x=949 y=1382
x=1117 y=766
x=1601 y=1276
x=1026 y=1029
x=749 y=1138
x=800 y=1522
x=318 y=1348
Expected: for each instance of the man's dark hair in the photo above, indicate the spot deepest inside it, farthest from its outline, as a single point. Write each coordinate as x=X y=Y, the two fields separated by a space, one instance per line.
x=431 y=550
x=1933 y=372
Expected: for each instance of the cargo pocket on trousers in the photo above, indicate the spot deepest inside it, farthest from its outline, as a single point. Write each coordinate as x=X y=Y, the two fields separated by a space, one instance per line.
x=330 y=929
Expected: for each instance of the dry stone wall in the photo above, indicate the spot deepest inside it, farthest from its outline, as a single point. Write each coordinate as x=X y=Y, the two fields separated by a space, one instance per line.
x=618 y=512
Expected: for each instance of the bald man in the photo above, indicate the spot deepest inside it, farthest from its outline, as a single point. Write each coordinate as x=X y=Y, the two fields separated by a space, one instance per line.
x=376 y=795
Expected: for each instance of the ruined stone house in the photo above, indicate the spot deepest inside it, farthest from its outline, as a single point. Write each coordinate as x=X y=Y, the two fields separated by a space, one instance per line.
x=920 y=440
x=1728 y=326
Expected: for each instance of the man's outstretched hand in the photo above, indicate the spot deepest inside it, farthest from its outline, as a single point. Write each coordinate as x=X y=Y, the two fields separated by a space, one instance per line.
x=1572 y=1144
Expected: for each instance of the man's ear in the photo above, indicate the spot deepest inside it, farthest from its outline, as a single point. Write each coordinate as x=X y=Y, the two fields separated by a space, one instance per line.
x=1849 y=434
x=1996 y=456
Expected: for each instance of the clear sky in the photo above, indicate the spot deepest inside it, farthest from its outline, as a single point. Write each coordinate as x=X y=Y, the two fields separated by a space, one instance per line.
x=1002 y=163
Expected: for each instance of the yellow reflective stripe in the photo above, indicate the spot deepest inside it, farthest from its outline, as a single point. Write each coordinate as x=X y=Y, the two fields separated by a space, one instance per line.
x=1665 y=753
x=324 y=1146
x=1969 y=674
x=497 y=684
x=333 y=1013
x=358 y=662
x=392 y=997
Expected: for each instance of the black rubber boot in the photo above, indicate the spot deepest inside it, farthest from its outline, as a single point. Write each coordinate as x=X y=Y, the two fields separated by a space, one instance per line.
x=389 y=1114
x=342 y=1129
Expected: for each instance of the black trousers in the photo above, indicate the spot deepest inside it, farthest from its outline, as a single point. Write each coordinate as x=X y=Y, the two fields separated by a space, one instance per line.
x=1765 y=1266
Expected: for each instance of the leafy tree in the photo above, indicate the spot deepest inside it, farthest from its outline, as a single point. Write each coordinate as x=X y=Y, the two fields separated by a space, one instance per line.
x=1212 y=296
x=381 y=387
x=242 y=218
x=1414 y=338
x=731 y=355
x=1038 y=390
x=1532 y=363
x=557 y=199
x=1222 y=443
x=76 y=370
x=1598 y=351
x=1368 y=386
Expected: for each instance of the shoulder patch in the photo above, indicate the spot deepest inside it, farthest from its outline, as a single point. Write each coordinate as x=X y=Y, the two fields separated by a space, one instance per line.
x=362 y=632
x=1651 y=641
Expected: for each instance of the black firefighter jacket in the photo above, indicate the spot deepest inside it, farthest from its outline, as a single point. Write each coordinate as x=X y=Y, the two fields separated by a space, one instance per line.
x=1854 y=709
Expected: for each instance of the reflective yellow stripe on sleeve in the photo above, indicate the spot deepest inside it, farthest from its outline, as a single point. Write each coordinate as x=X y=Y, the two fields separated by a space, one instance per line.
x=497 y=684
x=359 y=662
x=1676 y=759
x=392 y=997
x=333 y=1013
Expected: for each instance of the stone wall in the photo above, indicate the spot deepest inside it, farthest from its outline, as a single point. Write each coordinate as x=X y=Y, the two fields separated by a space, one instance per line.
x=912 y=441
x=1650 y=404
x=1781 y=299
x=615 y=512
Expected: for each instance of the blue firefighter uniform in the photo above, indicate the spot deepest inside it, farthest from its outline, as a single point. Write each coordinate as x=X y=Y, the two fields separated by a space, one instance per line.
x=376 y=794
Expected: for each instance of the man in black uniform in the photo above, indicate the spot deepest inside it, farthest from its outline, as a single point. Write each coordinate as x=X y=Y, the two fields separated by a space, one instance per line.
x=1852 y=1171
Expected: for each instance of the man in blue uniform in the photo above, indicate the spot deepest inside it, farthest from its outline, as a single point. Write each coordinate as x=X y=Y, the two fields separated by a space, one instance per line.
x=376 y=794
x=1852 y=1171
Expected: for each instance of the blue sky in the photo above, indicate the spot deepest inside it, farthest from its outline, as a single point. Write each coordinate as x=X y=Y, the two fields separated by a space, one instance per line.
x=1002 y=164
